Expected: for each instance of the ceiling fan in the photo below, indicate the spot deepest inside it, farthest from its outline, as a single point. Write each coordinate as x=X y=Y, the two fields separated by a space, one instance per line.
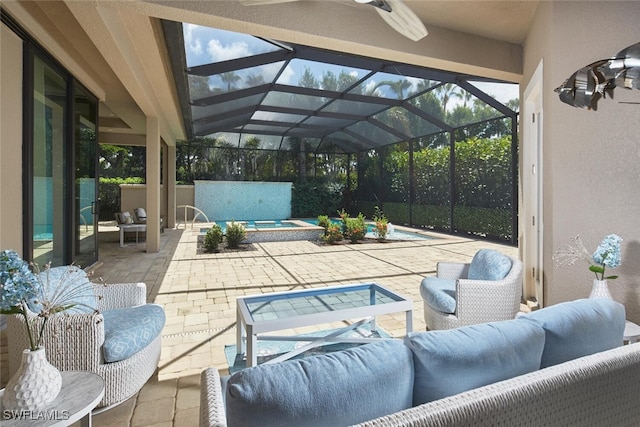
x=395 y=13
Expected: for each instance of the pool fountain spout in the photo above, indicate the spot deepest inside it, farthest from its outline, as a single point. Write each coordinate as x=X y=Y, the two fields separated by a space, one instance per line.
x=390 y=230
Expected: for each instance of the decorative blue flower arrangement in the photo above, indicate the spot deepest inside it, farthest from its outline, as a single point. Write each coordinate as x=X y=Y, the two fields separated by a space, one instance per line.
x=22 y=290
x=607 y=254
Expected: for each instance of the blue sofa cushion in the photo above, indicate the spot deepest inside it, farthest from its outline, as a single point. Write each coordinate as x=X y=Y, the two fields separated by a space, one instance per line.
x=439 y=294
x=66 y=285
x=129 y=330
x=455 y=360
x=334 y=389
x=579 y=328
x=488 y=264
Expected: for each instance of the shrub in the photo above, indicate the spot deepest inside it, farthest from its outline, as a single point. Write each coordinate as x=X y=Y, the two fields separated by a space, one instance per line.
x=344 y=216
x=333 y=234
x=236 y=233
x=213 y=238
x=356 y=228
x=381 y=223
x=324 y=222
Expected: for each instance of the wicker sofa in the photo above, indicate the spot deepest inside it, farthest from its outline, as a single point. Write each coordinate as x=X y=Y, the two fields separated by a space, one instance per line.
x=78 y=341
x=586 y=378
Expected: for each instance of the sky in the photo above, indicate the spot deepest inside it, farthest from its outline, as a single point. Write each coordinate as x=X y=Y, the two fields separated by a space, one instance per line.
x=204 y=45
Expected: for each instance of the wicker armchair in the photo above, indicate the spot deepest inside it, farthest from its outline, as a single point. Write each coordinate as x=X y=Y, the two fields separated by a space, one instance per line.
x=476 y=301
x=74 y=342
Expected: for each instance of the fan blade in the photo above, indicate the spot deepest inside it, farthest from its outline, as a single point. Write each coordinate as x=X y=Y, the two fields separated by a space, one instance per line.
x=403 y=20
x=263 y=2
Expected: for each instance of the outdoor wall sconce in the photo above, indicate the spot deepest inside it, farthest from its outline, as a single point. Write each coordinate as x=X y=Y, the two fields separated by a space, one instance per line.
x=587 y=85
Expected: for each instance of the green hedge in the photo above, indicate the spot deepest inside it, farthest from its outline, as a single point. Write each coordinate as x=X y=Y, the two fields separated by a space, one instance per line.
x=110 y=195
x=491 y=223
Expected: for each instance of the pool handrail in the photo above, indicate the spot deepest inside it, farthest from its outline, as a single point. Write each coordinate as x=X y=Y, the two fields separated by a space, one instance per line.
x=197 y=213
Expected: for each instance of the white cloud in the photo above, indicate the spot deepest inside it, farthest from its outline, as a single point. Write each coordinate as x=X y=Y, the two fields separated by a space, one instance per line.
x=218 y=52
x=287 y=75
x=193 y=44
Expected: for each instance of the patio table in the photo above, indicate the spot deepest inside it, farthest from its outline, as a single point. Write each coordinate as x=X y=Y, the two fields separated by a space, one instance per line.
x=131 y=227
x=259 y=314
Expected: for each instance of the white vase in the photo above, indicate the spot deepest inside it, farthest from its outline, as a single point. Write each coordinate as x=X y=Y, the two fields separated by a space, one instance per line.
x=600 y=289
x=35 y=385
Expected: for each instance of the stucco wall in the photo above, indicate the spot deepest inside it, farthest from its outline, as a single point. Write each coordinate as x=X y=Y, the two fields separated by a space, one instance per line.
x=591 y=174
x=11 y=141
x=135 y=196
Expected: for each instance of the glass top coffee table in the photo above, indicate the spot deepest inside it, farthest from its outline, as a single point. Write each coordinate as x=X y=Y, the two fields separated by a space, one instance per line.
x=258 y=314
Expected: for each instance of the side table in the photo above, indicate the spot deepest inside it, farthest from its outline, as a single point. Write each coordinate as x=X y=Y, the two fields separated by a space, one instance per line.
x=631 y=333
x=81 y=392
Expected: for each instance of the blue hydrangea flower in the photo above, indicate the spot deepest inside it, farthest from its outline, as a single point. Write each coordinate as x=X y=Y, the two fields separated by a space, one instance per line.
x=17 y=281
x=608 y=252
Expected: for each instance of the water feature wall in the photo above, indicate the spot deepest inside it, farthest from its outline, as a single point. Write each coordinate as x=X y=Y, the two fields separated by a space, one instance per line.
x=243 y=200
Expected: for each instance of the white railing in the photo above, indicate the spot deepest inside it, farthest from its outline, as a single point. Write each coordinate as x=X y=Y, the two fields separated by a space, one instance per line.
x=197 y=212
x=83 y=221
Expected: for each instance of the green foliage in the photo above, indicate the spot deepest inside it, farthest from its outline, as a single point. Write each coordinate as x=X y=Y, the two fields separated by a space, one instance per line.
x=355 y=228
x=314 y=196
x=482 y=176
x=484 y=222
x=109 y=194
x=333 y=234
x=381 y=221
x=235 y=234
x=213 y=238
x=324 y=222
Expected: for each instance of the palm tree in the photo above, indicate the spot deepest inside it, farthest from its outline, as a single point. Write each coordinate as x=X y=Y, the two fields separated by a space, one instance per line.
x=230 y=78
x=398 y=87
x=445 y=92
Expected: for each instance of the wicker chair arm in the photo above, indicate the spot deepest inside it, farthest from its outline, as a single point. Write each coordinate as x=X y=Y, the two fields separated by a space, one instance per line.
x=212 y=413
x=72 y=341
x=452 y=270
x=120 y=295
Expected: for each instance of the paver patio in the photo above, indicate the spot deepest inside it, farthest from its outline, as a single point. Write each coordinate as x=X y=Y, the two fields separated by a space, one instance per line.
x=198 y=293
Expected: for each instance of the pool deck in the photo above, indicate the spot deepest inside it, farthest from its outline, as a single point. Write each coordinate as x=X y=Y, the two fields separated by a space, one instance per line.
x=198 y=292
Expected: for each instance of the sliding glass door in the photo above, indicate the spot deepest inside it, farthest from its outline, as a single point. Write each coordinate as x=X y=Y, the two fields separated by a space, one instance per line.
x=49 y=165
x=86 y=178
x=61 y=190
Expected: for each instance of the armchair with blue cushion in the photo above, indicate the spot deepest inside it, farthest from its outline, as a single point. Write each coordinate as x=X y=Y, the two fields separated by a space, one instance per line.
x=487 y=289
x=118 y=339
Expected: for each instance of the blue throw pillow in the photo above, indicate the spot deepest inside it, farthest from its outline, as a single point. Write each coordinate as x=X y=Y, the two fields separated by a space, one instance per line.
x=334 y=389
x=488 y=264
x=440 y=294
x=456 y=360
x=66 y=285
x=129 y=330
x=579 y=328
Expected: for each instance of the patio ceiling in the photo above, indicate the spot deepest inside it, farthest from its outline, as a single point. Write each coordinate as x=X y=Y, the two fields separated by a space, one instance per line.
x=276 y=91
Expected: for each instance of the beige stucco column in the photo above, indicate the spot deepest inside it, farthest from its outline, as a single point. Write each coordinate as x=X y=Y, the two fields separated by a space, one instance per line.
x=11 y=141
x=171 y=186
x=153 y=184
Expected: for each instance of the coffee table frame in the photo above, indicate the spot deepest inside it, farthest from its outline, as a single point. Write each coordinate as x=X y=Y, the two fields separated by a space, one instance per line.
x=381 y=301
